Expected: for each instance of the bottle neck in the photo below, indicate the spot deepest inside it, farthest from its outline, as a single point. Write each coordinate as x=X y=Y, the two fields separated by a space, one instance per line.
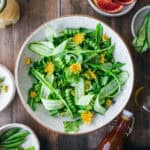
x=121 y=126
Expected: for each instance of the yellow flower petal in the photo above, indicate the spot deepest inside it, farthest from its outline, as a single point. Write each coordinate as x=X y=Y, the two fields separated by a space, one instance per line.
x=78 y=38
x=108 y=103
x=27 y=60
x=87 y=84
x=49 y=68
x=105 y=37
x=91 y=74
x=33 y=94
x=75 y=68
x=5 y=88
x=87 y=117
x=102 y=58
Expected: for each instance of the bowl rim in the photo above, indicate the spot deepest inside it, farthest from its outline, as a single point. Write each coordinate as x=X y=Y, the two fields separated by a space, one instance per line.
x=17 y=83
x=134 y=18
x=23 y=126
x=109 y=14
x=13 y=83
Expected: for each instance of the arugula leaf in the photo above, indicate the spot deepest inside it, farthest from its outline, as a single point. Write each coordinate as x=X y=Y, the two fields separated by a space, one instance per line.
x=32 y=104
x=83 y=51
x=99 y=32
x=72 y=126
x=29 y=148
x=53 y=112
x=41 y=78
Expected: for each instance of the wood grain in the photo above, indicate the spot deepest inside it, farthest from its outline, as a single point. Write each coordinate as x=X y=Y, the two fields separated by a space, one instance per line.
x=33 y=14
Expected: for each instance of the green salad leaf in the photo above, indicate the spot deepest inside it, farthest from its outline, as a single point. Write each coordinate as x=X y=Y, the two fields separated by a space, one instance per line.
x=72 y=126
x=76 y=75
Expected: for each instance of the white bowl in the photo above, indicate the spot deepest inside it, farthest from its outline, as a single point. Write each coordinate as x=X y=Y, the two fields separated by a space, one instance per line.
x=6 y=98
x=125 y=10
x=24 y=81
x=32 y=139
x=138 y=19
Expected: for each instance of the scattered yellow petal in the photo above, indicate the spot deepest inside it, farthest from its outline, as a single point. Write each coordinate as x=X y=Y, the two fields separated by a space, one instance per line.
x=91 y=74
x=102 y=58
x=49 y=68
x=78 y=38
x=27 y=60
x=105 y=37
x=136 y=95
x=87 y=84
x=33 y=94
x=108 y=103
x=75 y=68
x=5 y=88
x=87 y=117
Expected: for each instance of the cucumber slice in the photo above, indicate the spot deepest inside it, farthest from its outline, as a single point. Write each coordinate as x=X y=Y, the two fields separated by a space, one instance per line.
x=98 y=107
x=2 y=4
x=85 y=100
x=50 y=104
x=112 y=86
x=148 y=31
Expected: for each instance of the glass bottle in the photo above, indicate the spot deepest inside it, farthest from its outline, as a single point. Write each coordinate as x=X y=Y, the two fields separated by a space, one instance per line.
x=9 y=12
x=114 y=140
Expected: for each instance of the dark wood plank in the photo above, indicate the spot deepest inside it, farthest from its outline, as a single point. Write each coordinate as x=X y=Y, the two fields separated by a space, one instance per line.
x=6 y=52
x=80 y=7
x=88 y=141
x=33 y=14
x=122 y=25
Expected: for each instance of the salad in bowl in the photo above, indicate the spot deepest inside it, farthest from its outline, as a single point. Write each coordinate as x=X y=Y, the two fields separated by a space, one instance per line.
x=75 y=75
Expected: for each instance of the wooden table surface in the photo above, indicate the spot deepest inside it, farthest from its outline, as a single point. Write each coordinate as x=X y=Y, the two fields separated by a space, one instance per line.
x=33 y=14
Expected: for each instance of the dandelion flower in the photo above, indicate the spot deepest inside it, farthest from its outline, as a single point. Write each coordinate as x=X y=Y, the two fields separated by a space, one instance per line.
x=49 y=68
x=87 y=117
x=75 y=68
x=33 y=94
x=78 y=38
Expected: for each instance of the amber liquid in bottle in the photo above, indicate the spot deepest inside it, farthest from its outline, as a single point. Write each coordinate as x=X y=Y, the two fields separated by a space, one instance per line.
x=114 y=140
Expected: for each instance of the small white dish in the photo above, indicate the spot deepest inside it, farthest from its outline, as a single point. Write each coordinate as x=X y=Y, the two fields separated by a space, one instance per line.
x=125 y=10
x=138 y=19
x=6 y=98
x=32 y=139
